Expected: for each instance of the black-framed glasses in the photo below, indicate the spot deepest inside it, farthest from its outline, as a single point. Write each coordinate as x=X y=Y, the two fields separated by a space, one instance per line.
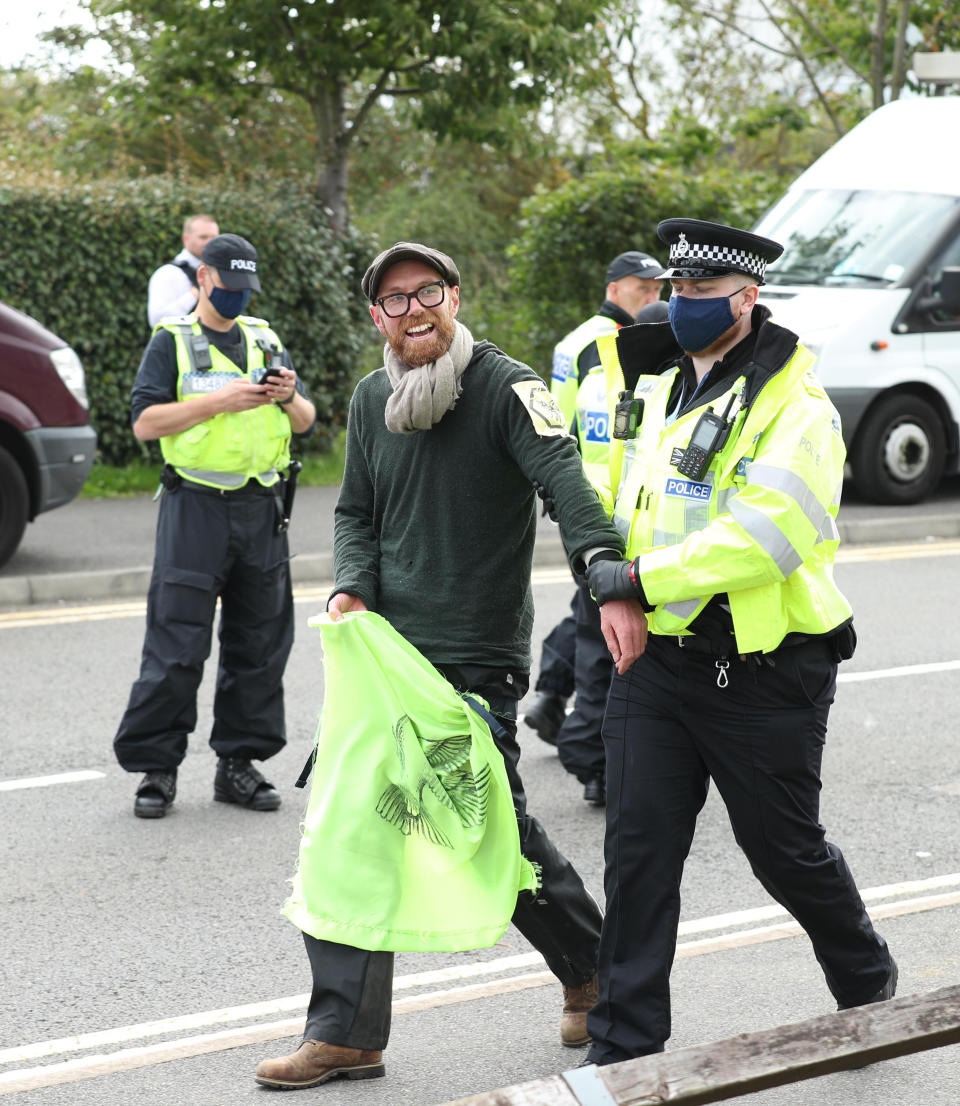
x=398 y=303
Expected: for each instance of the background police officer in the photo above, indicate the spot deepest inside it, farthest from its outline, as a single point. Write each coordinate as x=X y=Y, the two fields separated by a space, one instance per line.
x=727 y=496
x=224 y=429
x=173 y=289
x=632 y=281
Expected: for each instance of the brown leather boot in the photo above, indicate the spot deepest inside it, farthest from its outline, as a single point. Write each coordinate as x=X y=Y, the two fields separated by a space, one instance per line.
x=576 y=1002
x=315 y=1062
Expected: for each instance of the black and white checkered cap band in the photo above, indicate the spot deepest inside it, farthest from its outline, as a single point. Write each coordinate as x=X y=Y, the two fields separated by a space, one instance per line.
x=686 y=254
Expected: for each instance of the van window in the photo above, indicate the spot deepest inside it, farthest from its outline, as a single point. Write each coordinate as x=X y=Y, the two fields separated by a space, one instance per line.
x=843 y=237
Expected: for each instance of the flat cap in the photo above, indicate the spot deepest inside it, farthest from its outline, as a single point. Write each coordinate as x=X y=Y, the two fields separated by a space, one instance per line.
x=407 y=251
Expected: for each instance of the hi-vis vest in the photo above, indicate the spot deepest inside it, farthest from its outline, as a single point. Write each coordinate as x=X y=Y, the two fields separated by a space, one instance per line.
x=564 y=381
x=761 y=524
x=234 y=446
x=594 y=424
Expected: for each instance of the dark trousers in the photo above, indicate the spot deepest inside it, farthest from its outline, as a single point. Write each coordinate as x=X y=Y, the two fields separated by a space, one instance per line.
x=211 y=545
x=352 y=988
x=579 y=740
x=558 y=656
x=669 y=728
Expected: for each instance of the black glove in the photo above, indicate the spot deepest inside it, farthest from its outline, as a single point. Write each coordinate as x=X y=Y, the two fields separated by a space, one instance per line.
x=549 y=507
x=612 y=580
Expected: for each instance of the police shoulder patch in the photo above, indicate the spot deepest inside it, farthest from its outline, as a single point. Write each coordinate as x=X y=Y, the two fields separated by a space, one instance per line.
x=542 y=407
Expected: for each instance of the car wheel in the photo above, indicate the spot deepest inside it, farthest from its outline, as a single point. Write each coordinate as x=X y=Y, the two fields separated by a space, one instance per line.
x=14 y=505
x=900 y=451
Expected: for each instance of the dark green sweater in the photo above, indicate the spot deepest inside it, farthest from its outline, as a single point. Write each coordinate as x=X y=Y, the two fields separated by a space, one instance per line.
x=435 y=529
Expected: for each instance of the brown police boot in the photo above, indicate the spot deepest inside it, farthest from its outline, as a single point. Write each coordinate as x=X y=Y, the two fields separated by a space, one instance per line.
x=315 y=1062
x=577 y=1001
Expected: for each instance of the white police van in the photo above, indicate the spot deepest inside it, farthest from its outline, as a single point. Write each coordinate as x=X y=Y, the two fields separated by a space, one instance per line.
x=870 y=281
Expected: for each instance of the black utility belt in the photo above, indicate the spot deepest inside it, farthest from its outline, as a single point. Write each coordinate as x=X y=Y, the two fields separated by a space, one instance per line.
x=706 y=647
x=251 y=487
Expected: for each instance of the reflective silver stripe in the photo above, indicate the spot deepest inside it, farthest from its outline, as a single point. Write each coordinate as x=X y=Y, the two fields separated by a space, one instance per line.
x=783 y=480
x=829 y=531
x=682 y=609
x=667 y=537
x=723 y=499
x=226 y=479
x=835 y=502
x=768 y=536
x=623 y=526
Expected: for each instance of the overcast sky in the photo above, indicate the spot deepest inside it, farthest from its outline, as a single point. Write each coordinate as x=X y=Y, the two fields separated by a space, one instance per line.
x=20 y=23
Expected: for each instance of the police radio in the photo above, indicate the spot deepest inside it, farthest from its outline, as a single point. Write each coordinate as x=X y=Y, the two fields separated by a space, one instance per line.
x=626 y=416
x=708 y=438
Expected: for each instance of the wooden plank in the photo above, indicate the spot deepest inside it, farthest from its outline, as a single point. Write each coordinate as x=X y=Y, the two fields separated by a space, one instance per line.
x=769 y=1058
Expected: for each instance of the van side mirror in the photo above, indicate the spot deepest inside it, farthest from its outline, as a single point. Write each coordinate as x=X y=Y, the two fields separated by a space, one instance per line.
x=947 y=300
x=950 y=291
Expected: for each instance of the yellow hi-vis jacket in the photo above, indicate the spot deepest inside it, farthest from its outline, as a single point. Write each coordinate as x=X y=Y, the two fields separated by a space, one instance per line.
x=235 y=446
x=564 y=379
x=761 y=524
x=594 y=425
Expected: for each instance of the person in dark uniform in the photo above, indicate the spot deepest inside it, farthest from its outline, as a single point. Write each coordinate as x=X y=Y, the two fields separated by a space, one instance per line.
x=632 y=281
x=220 y=393
x=434 y=531
x=579 y=739
x=727 y=476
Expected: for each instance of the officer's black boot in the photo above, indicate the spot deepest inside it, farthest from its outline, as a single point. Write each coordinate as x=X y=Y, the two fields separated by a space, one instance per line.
x=595 y=791
x=546 y=715
x=237 y=781
x=155 y=794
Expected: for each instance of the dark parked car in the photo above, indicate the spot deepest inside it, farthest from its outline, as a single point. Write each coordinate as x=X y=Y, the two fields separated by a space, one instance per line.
x=46 y=441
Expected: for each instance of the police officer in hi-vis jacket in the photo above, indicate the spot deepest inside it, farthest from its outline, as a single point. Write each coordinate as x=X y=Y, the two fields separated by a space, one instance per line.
x=724 y=481
x=219 y=392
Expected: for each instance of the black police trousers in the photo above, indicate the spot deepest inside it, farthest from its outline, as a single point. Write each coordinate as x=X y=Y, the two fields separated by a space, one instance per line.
x=669 y=729
x=579 y=739
x=558 y=656
x=208 y=545
x=352 y=992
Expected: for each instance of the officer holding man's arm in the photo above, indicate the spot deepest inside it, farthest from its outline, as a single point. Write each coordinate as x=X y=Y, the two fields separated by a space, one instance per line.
x=219 y=391
x=727 y=483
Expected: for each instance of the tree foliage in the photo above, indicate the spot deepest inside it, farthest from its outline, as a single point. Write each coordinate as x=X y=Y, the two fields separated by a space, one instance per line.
x=841 y=58
x=569 y=235
x=458 y=62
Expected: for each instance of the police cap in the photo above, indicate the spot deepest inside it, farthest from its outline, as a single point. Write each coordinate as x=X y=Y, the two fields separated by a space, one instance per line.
x=703 y=251
x=633 y=263
x=235 y=260
x=408 y=251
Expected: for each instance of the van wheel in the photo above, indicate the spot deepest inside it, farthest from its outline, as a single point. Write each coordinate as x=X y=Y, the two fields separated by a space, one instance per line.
x=14 y=505
x=900 y=451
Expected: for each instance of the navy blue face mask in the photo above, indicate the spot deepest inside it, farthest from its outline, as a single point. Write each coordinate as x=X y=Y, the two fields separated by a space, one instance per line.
x=229 y=303
x=698 y=323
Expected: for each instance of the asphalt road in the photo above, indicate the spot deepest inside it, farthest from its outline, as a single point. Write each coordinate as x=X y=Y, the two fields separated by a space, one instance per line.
x=111 y=924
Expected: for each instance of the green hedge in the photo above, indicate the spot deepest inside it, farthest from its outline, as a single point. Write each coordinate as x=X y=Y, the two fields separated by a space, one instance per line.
x=78 y=259
x=569 y=236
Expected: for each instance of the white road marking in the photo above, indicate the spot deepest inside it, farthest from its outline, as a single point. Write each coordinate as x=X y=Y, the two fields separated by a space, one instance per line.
x=55 y=616
x=126 y=1059
x=50 y=781
x=903 y=670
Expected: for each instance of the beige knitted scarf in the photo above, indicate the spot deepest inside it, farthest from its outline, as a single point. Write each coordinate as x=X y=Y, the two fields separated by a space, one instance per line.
x=422 y=395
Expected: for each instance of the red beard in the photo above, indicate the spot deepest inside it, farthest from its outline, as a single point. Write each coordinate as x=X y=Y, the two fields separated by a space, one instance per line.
x=422 y=352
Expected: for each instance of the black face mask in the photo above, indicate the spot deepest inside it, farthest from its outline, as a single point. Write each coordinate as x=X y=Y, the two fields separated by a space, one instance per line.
x=227 y=302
